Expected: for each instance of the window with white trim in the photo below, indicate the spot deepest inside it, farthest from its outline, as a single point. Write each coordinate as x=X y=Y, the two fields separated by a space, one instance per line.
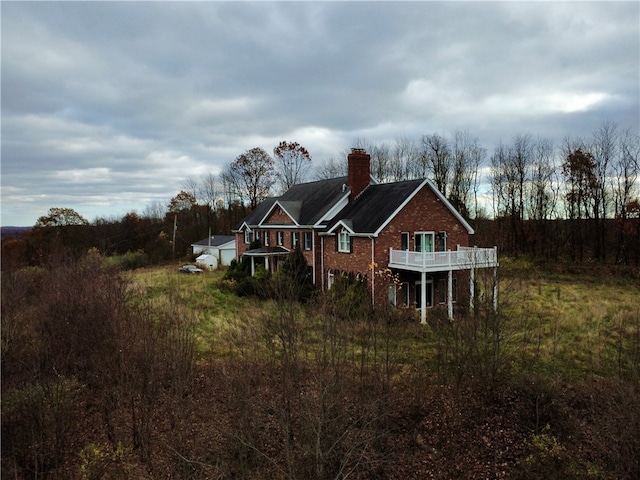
x=280 y=238
x=405 y=295
x=392 y=294
x=265 y=235
x=308 y=240
x=295 y=239
x=398 y=294
x=442 y=241
x=424 y=242
x=404 y=241
x=247 y=236
x=344 y=242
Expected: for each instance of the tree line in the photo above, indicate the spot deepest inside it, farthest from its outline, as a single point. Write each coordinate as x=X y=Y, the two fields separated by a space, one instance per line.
x=576 y=201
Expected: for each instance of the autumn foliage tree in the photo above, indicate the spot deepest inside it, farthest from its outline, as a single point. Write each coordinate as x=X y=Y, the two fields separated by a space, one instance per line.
x=253 y=175
x=61 y=217
x=579 y=172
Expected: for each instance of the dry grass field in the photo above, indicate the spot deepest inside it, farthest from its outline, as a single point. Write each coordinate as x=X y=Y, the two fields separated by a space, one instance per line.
x=157 y=374
x=566 y=326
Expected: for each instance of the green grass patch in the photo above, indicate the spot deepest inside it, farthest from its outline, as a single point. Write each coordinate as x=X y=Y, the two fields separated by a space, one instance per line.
x=566 y=327
x=572 y=326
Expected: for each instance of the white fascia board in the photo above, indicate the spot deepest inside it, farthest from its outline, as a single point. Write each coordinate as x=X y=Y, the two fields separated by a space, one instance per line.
x=242 y=227
x=399 y=209
x=440 y=196
x=277 y=202
x=333 y=211
x=343 y=225
x=285 y=226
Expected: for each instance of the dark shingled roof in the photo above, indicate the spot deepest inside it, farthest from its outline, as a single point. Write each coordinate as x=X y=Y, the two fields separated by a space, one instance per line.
x=317 y=198
x=216 y=240
x=306 y=202
x=258 y=213
x=375 y=205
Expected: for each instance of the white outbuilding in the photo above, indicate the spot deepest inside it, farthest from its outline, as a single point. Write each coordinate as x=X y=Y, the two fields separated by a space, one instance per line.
x=215 y=251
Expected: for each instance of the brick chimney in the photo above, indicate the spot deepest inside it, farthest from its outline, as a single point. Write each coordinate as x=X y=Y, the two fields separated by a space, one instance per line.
x=359 y=171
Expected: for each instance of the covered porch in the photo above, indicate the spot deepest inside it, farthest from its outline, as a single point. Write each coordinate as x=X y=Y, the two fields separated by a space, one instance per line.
x=464 y=258
x=269 y=257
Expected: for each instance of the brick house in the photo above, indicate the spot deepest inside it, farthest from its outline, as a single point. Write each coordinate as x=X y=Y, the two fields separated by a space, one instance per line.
x=404 y=239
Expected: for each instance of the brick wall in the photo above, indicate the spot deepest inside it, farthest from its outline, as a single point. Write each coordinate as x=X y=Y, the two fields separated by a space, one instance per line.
x=279 y=217
x=424 y=213
x=358 y=171
x=241 y=247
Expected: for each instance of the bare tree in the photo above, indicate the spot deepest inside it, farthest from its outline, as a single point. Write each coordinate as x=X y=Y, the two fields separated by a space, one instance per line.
x=192 y=187
x=604 y=147
x=210 y=191
x=330 y=168
x=465 y=155
x=437 y=160
x=627 y=169
x=510 y=167
x=403 y=159
x=293 y=164
x=380 y=161
x=155 y=211
x=542 y=195
x=477 y=158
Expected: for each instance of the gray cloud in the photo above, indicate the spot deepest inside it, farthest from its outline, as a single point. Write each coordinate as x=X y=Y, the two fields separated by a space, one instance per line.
x=108 y=107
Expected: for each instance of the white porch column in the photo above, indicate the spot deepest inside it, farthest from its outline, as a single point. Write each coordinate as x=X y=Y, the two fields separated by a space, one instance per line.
x=373 y=273
x=423 y=296
x=266 y=263
x=253 y=266
x=322 y=284
x=495 y=289
x=450 y=294
x=472 y=288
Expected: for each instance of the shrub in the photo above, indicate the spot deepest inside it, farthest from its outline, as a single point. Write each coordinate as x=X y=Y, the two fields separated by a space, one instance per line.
x=293 y=280
x=350 y=298
x=37 y=424
x=130 y=260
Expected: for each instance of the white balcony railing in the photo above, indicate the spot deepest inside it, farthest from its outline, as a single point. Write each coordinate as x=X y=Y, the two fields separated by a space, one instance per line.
x=464 y=258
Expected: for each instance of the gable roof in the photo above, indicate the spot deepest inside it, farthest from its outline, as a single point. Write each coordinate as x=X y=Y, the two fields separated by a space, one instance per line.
x=306 y=203
x=315 y=203
x=376 y=206
x=290 y=208
x=316 y=198
x=216 y=241
x=258 y=213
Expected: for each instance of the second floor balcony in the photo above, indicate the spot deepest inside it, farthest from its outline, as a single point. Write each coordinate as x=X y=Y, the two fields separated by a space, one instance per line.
x=464 y=258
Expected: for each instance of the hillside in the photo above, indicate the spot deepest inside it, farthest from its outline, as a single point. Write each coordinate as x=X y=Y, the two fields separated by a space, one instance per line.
x=157 y=374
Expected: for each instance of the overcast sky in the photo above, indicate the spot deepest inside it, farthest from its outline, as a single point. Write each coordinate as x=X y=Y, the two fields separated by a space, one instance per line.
x=109 y=107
